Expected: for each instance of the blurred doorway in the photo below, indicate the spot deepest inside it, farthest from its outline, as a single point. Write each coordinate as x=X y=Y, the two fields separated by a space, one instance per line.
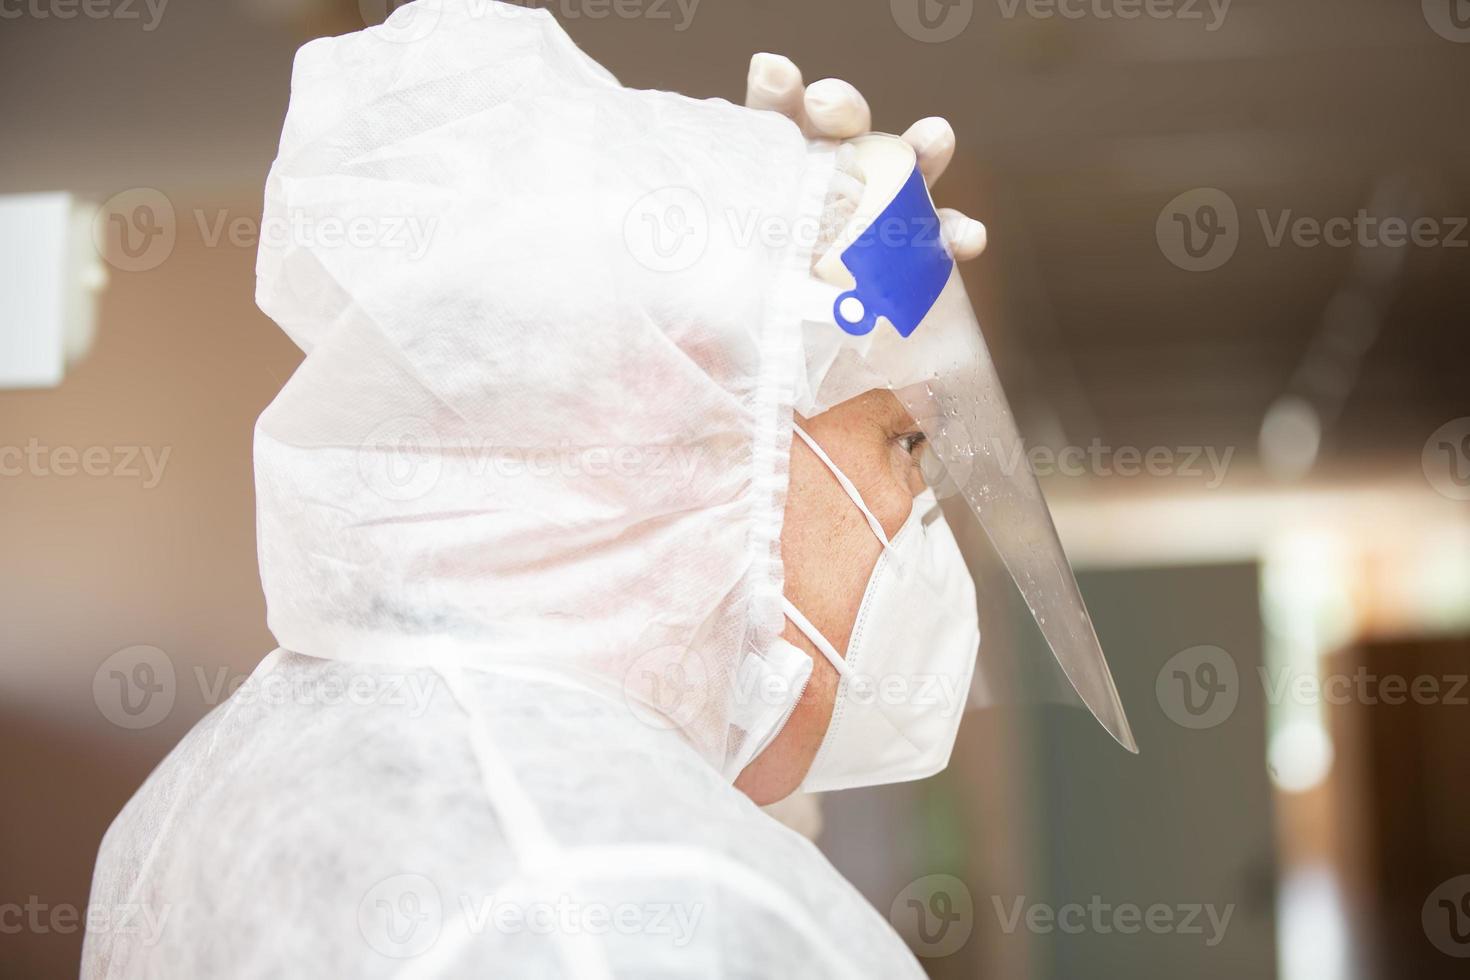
x=1161 y=865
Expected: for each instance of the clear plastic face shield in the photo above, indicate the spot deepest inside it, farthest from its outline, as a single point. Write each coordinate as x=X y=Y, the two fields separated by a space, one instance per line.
x=896 y=310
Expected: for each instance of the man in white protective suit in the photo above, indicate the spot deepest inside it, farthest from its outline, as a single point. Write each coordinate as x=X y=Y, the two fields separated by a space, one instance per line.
x=594 y=517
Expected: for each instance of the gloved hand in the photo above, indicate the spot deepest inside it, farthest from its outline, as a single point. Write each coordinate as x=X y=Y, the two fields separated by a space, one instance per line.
x=834 y=109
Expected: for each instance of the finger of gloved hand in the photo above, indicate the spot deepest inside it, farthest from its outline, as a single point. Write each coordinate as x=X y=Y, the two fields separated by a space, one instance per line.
x=933 y=140
x=965 y=236
x=836 y=110
x=774 y=82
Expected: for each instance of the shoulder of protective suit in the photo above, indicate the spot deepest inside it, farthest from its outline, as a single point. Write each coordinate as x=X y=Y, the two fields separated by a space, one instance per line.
x=365 y=819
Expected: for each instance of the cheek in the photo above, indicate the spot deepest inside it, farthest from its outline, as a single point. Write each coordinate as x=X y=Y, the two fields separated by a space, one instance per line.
x=905 y=482
x=892 y=499
x=828 y=550
x=911 y=476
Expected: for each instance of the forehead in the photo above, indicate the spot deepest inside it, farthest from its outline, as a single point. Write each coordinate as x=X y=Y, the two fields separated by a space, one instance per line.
x=878 y=411
x=882 y=406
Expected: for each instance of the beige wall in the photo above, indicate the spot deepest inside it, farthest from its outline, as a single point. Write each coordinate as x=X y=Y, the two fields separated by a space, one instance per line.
x=183 y=364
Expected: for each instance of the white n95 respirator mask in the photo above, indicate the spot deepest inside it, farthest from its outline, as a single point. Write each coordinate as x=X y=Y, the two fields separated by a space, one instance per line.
x=906 y=675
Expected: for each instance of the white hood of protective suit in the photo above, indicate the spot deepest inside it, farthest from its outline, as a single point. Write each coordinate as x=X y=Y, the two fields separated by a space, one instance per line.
x=519 y=514
x=531 y=437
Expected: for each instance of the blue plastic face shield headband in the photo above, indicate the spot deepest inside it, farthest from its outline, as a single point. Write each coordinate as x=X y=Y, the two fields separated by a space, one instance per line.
x=896 y=295
x=899 y=263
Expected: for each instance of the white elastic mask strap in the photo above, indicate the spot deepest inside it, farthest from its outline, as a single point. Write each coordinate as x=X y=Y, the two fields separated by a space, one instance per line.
x=815 y=635
x=846 y=484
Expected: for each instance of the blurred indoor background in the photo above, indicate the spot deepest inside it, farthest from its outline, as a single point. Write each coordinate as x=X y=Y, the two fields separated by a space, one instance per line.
x=1228 y=288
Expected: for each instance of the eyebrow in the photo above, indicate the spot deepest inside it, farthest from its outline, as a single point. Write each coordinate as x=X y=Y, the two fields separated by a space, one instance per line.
x=898 y=417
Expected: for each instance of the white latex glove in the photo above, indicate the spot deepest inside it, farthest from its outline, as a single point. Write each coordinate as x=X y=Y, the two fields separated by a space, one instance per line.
x=834 y=109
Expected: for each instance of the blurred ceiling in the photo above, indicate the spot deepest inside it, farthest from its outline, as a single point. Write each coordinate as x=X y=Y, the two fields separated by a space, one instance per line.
x=1075 y=133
